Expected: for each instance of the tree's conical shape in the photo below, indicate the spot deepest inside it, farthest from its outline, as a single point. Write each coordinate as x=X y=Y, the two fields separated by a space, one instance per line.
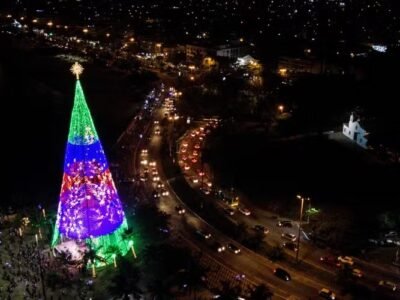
x=89 y=205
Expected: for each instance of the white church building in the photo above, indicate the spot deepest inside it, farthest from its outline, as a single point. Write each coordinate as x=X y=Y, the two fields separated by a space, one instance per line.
x=355 y=132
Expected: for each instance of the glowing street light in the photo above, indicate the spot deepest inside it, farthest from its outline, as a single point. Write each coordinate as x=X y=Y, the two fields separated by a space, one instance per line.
x=50 y=23
x=281 y=108
x=131 y=39
x=85 y=30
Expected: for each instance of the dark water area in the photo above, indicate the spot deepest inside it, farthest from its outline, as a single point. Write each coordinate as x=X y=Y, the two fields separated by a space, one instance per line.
x=37 y=93
x=332 y=173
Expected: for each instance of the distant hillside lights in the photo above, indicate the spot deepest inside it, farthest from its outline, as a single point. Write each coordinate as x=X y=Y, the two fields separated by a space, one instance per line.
x=355 y=132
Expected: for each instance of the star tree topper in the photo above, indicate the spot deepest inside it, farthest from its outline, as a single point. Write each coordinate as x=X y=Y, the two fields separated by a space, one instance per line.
x=77 y=69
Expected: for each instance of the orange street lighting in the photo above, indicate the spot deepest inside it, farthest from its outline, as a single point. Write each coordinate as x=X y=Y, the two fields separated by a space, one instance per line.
x=85 y=30
x=283 y=71
x=132 y=39
x=50 y=23
x=281 y=108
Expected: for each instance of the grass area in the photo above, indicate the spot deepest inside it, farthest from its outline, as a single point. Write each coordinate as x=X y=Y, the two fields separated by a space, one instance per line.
x=273 y=172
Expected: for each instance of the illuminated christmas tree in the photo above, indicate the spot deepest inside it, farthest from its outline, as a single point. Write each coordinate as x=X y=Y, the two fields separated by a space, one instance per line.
x=89 y=207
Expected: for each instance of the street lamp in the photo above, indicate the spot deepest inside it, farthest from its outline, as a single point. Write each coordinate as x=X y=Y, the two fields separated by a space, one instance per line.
x=300 y=220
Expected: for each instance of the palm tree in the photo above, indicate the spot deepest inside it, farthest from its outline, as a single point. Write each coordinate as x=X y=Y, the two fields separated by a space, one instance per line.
x=195 y=276
x=229 y=291
x=64 y=258
x=125 y=281
x=112 y=250
x=91 y=256
x=261 y=292
x=128 y=234
x=160 y=290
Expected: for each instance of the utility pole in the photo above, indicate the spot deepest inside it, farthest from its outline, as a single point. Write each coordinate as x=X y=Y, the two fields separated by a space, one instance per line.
x=300 y=220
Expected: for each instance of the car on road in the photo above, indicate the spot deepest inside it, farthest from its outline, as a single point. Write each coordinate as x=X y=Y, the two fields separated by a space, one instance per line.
x=180 y=210
x=218 y=247
x=164 y=192
x=290 y=245
x=391 y=234
x=206 y=190
x=229 y=211
x=244 y=210
x=327 y=294
x=388 y=285
x=330 y=260
x=282 y=274
x=346 y=260
x=288 y=236
x=203 y=234
x=260 y=228
x=143 y=177
x=357 y=273
x=233 y=248
x=164 y=230
x=156 y=194
x=285 y=224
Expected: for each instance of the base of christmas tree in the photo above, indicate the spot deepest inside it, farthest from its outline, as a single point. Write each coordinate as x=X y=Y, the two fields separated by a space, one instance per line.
x=104 y=248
